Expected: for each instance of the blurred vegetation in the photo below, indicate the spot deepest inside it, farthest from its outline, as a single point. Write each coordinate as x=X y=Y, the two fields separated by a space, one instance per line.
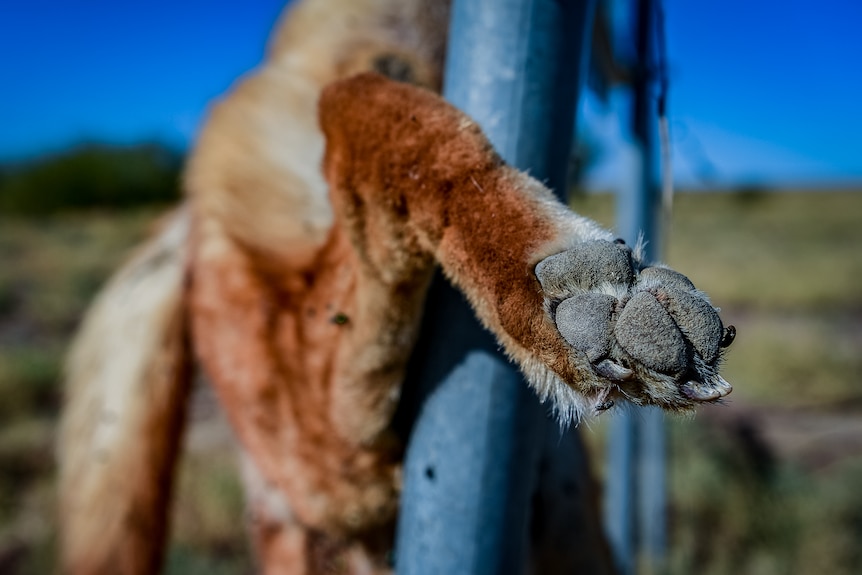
x=91 y=176
x=787 y=271
x=51 y=267
x=785 y=268
x=768 y=483
x=736 y=509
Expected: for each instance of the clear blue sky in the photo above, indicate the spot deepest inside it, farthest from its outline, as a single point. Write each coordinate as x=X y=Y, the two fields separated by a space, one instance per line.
x=762 y=90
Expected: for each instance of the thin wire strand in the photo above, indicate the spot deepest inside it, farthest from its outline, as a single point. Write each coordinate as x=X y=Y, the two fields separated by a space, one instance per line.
x=667 y=183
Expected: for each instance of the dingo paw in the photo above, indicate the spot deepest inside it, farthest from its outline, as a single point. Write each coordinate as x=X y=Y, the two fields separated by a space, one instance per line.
x=647 y=332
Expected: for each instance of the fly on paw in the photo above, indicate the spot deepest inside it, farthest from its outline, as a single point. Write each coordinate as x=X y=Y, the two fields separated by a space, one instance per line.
x=650 y=336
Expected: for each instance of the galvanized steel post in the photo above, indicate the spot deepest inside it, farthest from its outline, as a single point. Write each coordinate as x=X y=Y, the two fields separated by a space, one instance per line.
x=635 y=495
x=516 y=67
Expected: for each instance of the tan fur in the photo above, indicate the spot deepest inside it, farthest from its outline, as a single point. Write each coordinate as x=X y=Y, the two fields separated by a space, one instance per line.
x=126 y=384
x=259 y=200
x=306 y=342
x=256 y=165
x=304 y=295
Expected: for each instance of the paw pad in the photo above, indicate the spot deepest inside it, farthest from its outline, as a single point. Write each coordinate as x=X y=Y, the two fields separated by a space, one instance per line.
x=585 y=268
x=649 y=335
x=585 y=322
x=661 y=334
x=665 y=277
x=697 y=320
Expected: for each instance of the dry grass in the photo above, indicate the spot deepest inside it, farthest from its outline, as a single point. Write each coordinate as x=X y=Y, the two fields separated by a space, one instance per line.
x=769 y=483
x=785 y=252
x=50 y=269
x=786 y=270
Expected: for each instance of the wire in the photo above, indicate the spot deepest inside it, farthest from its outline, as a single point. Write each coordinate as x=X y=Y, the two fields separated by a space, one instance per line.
x=667 y=187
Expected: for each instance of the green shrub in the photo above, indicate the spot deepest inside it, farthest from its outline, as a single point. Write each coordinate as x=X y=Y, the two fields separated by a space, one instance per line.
x=91 y=176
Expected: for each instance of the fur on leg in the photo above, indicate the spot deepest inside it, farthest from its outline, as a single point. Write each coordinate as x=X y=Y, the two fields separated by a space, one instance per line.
x=413 y=177
x=127 y=380
x=282 y=541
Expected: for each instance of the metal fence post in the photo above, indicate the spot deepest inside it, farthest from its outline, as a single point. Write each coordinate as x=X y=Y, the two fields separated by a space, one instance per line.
x=636 y=498
x=473 y=457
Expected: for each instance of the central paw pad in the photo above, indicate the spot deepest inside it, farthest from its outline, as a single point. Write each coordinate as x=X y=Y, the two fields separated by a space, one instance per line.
x=646 y=330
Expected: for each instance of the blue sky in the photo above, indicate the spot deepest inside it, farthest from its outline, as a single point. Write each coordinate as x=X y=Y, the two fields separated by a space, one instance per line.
x=763 y=91
x=771 y=83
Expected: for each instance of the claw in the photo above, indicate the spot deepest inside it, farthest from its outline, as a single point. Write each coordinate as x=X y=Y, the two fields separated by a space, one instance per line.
x=728 y=337
x=614 y=371
x=699 y=391
x=605 y=405
x=724 y=387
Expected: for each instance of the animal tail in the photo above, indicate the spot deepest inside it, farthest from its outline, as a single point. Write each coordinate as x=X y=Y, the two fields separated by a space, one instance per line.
x=128 y=378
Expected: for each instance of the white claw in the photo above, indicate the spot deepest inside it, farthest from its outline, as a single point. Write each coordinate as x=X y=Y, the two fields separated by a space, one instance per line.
x=699 y=391
x=724 y=388
x=614 y=371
